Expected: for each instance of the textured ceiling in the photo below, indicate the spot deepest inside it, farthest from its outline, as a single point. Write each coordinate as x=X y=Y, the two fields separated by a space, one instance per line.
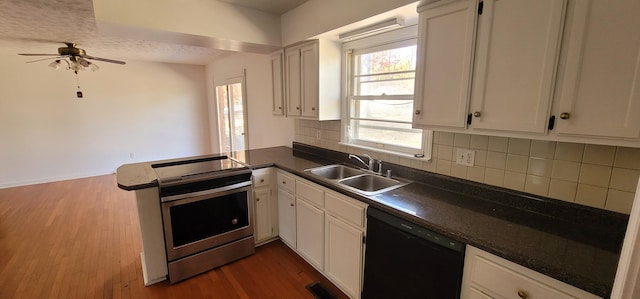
x=37 y=26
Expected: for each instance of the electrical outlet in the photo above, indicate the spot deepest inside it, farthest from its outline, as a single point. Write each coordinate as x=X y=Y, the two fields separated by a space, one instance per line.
x=318 y=135
x=132 y=155
x=465 y=156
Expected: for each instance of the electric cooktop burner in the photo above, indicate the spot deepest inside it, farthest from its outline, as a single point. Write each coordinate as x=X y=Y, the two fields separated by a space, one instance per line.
x=198 y=169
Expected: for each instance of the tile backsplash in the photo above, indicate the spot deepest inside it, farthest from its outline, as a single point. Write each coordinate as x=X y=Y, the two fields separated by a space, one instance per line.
x=594 y=175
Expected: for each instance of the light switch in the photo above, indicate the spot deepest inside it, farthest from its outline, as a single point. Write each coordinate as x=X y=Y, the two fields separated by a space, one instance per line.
x=465 y=156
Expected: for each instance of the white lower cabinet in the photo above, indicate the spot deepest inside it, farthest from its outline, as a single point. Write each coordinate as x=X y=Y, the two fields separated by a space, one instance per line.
x=344 y=250
x=343 y=255
x=310 y=233
x=489 y=276
x=263 y=228
x=286 y=209
x=325 y=228
x=265 y=206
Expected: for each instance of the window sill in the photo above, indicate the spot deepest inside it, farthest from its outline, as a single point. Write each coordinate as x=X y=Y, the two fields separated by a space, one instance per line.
x=427 y=157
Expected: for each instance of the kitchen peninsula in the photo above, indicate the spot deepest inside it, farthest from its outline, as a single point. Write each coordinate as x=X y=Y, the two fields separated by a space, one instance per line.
x=575 y=244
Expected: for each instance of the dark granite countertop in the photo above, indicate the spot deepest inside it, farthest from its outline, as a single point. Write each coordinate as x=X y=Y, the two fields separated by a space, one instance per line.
x=574 y=244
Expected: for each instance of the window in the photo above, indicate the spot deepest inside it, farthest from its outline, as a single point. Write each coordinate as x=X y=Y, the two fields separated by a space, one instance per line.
x=380 y=99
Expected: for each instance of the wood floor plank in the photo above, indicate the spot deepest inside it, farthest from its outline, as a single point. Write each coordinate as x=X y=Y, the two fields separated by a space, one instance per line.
x=81 y=239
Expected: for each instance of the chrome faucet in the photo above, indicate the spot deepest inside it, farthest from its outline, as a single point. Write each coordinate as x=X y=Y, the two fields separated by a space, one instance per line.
x=369 y=165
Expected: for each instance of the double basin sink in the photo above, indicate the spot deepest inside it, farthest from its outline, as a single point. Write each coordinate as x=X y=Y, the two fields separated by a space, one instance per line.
x=360 y=181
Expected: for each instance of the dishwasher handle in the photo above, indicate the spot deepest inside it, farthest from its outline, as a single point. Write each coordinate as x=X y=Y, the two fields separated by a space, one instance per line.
x=416 y=230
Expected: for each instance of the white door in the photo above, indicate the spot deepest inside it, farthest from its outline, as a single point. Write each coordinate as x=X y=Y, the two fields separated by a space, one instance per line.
x=277 y=68
x=263 y=227
x=310 y=233
x=517 y=48
x=232 y=115
x=343 y=256
x=292 y=81
x=309 y=80
x=287 y=218
x=446 y=40
x=600 y=93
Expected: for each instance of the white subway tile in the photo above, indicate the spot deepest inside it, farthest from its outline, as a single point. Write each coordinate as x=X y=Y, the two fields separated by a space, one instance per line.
x=595 y=175
x=563 y=190
x=599 y=154
x=519 y=146
x=569 y=151
x=591 y=196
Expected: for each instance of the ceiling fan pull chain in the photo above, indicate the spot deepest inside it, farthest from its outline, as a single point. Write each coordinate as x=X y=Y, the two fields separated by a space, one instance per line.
x=79 y=92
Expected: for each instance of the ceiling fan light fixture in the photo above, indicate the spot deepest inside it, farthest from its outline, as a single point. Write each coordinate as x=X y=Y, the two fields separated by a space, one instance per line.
x=75 y=66
x=94 y=67
x=55 y=64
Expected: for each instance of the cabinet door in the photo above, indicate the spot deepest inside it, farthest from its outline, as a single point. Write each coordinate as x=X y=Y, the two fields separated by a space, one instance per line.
x=292 y=81
x=310 y=233
x=287 y=218
x=476 y=294
x=277 y=83
x=343 y=256
x=263 y=220
x=600 y=91
x=515 y=64
x=309 y=80
x=446 y=39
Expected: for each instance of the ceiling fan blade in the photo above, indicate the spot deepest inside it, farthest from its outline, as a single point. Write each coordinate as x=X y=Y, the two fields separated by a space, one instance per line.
x=24 y=54
x=48 y=58
x=103 y=59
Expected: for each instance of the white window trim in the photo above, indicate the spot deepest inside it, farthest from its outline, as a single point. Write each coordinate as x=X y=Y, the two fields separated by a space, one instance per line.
x=400 y=35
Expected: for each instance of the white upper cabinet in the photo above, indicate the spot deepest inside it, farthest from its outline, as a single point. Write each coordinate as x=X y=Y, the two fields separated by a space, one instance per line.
x=292 y=81
x=446 y=40
x=277 y=75
x=309 y=80
x=517 y=49
x=312 y=80
x=599 y=91
x=496 y=57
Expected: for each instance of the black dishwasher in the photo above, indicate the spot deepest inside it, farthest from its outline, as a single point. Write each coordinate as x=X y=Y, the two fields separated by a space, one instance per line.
x=404 y=260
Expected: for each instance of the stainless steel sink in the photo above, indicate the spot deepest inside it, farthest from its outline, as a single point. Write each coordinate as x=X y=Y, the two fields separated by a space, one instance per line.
x=356 y=180
x=371 y=184
x=335 y=172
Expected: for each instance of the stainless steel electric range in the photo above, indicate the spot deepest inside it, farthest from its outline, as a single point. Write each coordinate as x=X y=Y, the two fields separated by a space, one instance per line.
x=206 y=213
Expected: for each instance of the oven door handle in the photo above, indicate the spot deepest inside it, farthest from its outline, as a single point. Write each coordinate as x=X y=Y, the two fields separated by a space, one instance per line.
x=205 y=192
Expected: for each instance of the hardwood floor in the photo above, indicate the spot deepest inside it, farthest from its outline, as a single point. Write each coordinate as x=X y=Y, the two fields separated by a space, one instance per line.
x=81 y=239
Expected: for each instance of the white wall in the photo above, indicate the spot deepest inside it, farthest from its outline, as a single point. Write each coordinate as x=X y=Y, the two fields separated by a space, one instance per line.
x=153 y=110
x=265 y=130
x=316 y=17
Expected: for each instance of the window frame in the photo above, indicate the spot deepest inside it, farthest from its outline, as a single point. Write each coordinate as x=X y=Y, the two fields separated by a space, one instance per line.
x=388 y=40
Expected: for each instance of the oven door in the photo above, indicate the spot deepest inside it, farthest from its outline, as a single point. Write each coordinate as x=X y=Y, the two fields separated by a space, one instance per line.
x=206 y=221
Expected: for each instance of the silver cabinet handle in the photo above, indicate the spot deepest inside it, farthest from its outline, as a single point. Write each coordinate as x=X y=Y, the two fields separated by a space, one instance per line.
x=477 y=114
x=417 y=112
x=565 y=115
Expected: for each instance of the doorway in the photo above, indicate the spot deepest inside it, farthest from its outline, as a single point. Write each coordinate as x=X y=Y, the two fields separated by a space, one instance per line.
x=232 y=114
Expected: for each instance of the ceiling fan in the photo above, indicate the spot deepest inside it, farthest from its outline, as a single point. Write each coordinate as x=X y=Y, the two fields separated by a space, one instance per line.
x=77 y=58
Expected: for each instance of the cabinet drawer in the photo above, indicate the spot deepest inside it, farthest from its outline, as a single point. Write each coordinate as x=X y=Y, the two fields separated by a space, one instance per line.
x=286 y=182
x=310 y=193
x=261 y=178
x=499 y=278
x=506 y=283
x=345 y=208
